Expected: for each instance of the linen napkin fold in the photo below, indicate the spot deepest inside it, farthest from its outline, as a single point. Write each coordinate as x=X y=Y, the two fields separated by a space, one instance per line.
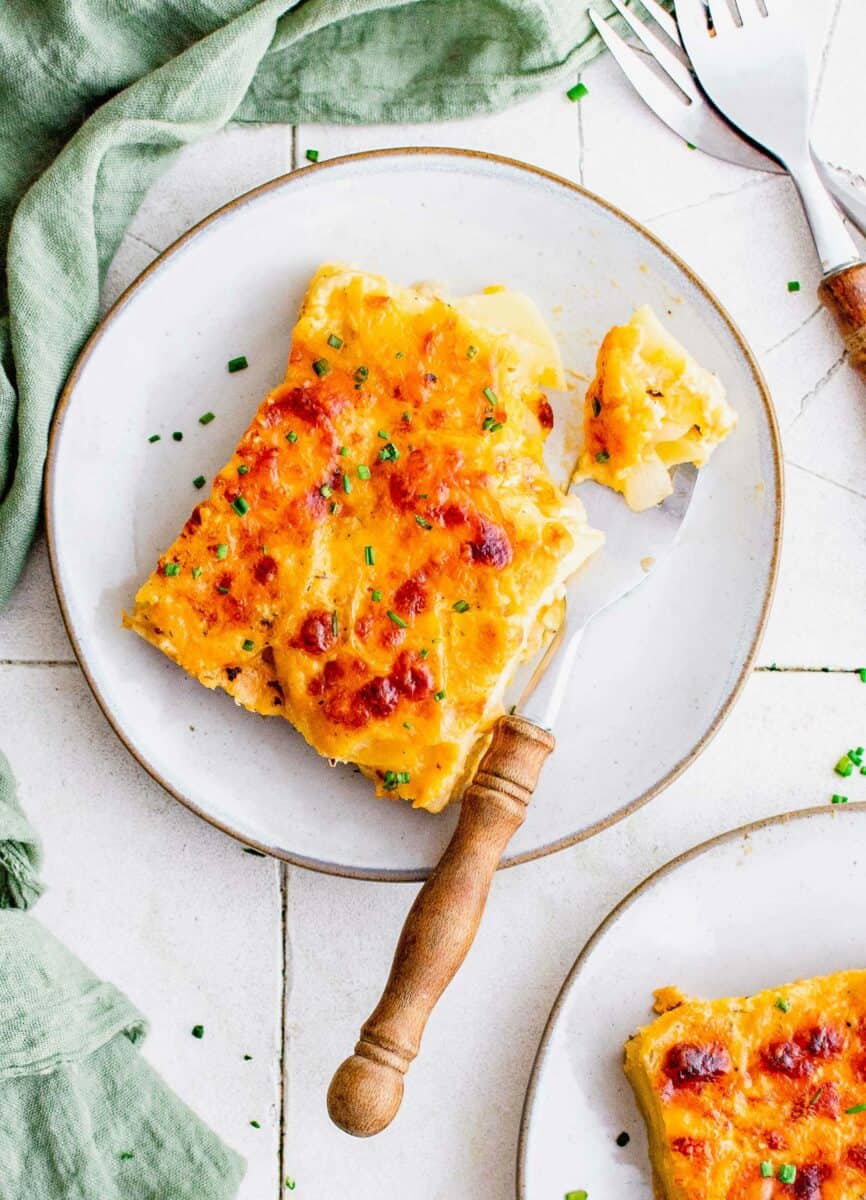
x=96 y=97
x=82 y=1114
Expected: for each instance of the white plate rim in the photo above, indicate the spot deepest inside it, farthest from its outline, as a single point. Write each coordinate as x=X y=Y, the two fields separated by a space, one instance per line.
x=572 y=978
x=409 y=875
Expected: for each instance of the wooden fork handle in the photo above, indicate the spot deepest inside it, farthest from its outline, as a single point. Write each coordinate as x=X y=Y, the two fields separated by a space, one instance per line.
x=844 y=294
x=366 y=1090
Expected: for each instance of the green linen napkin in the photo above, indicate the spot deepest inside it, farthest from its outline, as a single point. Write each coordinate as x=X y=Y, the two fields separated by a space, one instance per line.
x=82 y=1115
x=96 y=96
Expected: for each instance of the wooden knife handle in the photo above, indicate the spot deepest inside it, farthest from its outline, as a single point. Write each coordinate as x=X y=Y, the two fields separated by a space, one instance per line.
x=844 y=294
x=367 y=1088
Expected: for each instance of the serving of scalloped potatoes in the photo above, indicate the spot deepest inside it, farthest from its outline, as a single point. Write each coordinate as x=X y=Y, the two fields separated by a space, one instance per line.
x=649 y=407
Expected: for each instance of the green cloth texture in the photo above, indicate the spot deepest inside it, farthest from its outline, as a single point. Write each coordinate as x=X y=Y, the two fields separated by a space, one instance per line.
x=96 y=96
x=82 y=1114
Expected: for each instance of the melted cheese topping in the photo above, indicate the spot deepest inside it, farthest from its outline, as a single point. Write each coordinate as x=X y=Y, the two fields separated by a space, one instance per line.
x=375 y=558
x=726 y=1085
x=649 y=407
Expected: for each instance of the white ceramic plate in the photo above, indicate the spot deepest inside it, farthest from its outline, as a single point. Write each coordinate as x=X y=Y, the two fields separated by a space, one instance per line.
x=657 y=673
x=760 y=906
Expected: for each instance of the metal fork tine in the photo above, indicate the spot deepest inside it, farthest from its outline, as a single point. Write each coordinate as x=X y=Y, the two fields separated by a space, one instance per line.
x=657 y=95
x=720 y=12
x=666 y=58
x=749 y=11
x=663 y=19
x=691 y=15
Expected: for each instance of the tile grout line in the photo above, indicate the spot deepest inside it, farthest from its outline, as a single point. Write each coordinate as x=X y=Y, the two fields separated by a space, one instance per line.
x=38 y=662
x=284 y=1000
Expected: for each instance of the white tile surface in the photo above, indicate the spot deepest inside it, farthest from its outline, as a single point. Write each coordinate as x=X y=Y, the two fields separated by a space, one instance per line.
x=192 y=928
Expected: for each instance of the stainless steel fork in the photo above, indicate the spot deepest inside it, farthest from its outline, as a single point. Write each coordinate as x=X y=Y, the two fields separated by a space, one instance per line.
x=685 y=109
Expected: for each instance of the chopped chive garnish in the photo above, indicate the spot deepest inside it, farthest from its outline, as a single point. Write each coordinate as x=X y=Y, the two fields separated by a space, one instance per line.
x=343 y=451
x=243 y=469
x=787 y=1173
x=154 y=437
x=782 y=1003
x=255 y=1124
x=580 y=1195
x=376 y=595
x=223 y=591
x=472 y=351
x=336 y=342
x=248 y=645
x=312 y=155
x=855 y=1108
x=238 y=364
x=222 y=551
x=423 y=522
x=691 y=145
x=424 y=652
x=487 y=423
x=837 y=799
x=397 y=620
x=177 y=436
x=861 y=672
x=389 y=780
x=512 y=710
x=383 y=435
x=399 y=354
x=325 y=491
x=171 y=569
x=766 y=1170
x=291 y=437
x=793 y=285
x=198 y=1031
x=249 y=1057
x=255 y=854
x=196 y=571
x=407 y=417
x=389 y=452
x=335 y=624
x=403 y=777
x=490 y=395
x=199 y=481
x=602 y=456
x=461 y=606
x=577 y=92
x=369 y=557
x=361 y=374
x=495 y=427
x=290 y=1184
x=334 y=507
x=407 y=725
x=321 y=366
x=206 y=418
x=347 y=483
x=240 y=506
x=596 y=406
x=438 y=695
x=363 y=471
x=844 y=766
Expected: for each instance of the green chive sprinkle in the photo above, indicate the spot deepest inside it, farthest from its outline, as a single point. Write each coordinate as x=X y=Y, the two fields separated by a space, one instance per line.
x=363 y=472
x=325 y=491
x=249 y=1057
x=495 y=427
x=290 y=1184
x=844 y=766
x=196 y=571
x=389 y=452
x=206 y=418
x=383 y=435
x=837 y=799
x=222 y=551
x=424 y=652
x=255 y=854
x=487 y=423
x=223 y=591
x=361 y=374
x=389 y=780
x=766 y=1170
x=407 y=417
x=490 y=395
x=369 y=558
x=461 y=606
x=240 y=506
x=198 y=1031
x=248 y=645
x=334 y=507
x=376 y=595
x=438 y=695
x=511 y=713
x=321 y=366
x=238 y=364
x=577 y=92
x=171 y=569
x=199 y=481
x=347 y=483
x=407 y=725
x=403 y=777
x=399 y=354
x=472 y=351
x=691 y=145
x=861 y=672
x=397 y=620
x=787 y=1173
x=336 y=342
x=177 y=436
x=855 y=1108
x=243 y=469
x=255 y=1124
x=312 y=155
x=602 y=456
x=154 y=437
x=291 y=437
x=793 y=285
x=783 y=1004
x=343 y=451
x=423 y=522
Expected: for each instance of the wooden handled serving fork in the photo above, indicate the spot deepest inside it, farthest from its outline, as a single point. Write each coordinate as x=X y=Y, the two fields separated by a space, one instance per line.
x=367 y=1088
